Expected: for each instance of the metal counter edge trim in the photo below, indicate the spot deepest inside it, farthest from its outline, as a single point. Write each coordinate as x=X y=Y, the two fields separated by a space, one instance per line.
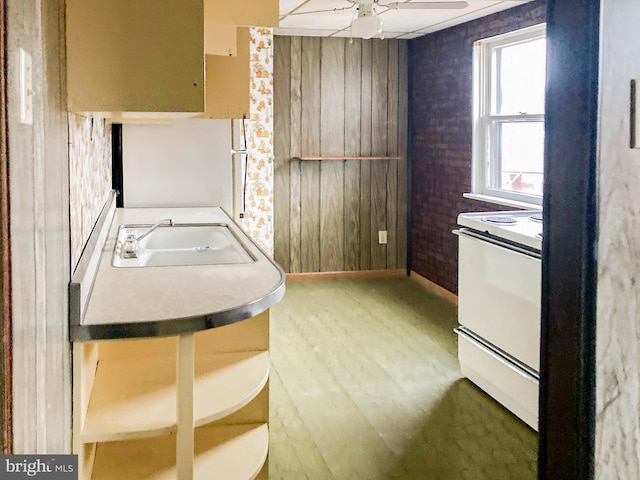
x=177 y=326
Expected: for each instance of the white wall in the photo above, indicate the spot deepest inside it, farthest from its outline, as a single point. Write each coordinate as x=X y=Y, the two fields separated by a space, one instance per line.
x=183 y=164
x=618 y=309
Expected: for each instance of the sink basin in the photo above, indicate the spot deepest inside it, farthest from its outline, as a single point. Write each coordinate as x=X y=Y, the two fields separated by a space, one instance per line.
x=182 y=244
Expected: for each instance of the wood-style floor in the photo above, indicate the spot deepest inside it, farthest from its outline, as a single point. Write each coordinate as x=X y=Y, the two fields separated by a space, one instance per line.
x=365 y=385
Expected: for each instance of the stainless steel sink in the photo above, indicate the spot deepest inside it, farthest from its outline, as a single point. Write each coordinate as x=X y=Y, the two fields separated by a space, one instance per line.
x=180 y=244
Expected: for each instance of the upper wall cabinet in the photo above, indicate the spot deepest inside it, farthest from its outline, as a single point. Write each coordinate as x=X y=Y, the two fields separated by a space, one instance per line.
x=246 y=13
x=135 y=56
x=221 y=18
x=228 y=77
x=220 y=39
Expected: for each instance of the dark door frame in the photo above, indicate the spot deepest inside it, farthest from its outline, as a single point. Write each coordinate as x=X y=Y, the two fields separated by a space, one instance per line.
x=6 y=442
x=569 y=273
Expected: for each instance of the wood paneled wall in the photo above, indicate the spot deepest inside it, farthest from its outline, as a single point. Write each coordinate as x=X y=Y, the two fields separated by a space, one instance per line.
x=336 y=97
x=39 y=234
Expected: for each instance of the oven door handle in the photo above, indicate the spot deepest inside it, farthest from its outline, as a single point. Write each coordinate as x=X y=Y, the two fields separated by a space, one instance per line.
x=462 y=331
x=467 y=232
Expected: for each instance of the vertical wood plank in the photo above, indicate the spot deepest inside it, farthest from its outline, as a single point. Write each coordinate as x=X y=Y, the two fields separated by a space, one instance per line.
x=294 y=165
x=379 y=147
x=282 y=149
x=352 y=119
x=24 y=267
x=392 y=149
x=365 y=149
x=403 y=129
x=6 y=397
x=310 y=145
x=332 y=143
x=57 y=371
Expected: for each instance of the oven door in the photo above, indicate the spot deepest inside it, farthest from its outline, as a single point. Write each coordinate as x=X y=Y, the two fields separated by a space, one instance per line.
x=499 y=295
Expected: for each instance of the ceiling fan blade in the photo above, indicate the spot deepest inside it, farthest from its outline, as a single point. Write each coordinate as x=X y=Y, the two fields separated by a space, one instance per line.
x=425 y=5
x=327 y=10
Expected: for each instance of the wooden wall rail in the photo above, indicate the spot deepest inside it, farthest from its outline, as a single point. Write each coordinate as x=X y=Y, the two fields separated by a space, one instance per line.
x=346 y=158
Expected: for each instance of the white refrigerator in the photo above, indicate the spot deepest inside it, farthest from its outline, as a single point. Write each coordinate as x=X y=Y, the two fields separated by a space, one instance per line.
x=186 y=163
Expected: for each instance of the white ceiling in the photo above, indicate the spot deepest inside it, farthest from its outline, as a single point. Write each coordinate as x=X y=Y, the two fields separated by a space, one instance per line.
x=305 y=17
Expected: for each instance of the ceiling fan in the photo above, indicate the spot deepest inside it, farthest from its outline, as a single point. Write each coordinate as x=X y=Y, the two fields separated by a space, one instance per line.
x=366 y=22
x=407 y=5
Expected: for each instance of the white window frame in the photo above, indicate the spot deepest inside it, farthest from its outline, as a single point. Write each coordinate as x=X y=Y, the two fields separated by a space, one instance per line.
x=484 y=151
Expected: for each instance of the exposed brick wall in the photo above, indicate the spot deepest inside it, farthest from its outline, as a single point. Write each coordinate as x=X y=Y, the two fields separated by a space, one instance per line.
x=440 y=145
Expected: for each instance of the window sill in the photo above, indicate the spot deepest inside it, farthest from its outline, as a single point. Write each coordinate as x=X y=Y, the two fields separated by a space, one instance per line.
x=502 y=201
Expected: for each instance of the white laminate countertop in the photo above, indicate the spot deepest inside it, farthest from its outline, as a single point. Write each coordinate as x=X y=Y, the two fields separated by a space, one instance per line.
x=159 y=301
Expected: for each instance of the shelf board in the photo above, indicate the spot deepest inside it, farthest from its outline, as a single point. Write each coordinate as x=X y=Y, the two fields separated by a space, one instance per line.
x=227 y=382
x=347 y=158
x=138 y=399
x=232 y=452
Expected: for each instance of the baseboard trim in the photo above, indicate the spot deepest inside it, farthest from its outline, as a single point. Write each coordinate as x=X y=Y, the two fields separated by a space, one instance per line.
x=434 y=287
x=348 y=274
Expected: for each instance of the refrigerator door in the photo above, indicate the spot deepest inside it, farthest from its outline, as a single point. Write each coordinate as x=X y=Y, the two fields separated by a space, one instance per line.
x=187 y=163
x=239 y=155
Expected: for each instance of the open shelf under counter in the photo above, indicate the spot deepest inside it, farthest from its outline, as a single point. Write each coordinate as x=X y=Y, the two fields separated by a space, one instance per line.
x=226 y=452
x=170 y=364
x=137 y=399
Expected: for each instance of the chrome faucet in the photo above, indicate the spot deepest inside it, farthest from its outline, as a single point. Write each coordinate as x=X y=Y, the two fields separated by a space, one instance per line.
x=168 y=221
x=130 y=247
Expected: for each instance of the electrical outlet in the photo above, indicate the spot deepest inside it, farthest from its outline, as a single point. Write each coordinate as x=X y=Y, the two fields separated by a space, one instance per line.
x=26 y=88
x=382 y=237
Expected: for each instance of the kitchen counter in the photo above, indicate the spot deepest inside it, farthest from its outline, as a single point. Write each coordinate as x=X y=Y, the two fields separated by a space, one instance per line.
x=172 y=300
x=151 y=373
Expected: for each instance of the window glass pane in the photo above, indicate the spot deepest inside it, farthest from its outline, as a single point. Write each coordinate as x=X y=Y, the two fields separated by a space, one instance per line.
x=520 y=149
x=520 y=78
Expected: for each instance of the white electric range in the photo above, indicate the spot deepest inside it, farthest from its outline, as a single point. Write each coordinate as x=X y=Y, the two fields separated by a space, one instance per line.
x=523 y=227
x=499 y=275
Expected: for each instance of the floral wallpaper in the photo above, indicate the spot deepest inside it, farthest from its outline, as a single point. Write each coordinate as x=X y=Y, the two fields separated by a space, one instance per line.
x=89 y=177
x=258 y=219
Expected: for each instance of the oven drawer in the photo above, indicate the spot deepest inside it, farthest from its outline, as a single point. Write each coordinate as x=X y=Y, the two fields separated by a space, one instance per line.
x=510 y=385
x=499 y=297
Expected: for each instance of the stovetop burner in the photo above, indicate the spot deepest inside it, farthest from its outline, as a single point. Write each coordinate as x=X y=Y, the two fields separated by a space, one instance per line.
x=514 y=226
x=536 y=217
x=501 y=220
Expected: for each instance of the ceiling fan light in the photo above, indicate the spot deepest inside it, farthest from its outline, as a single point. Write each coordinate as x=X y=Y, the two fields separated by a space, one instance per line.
x=366 y=26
